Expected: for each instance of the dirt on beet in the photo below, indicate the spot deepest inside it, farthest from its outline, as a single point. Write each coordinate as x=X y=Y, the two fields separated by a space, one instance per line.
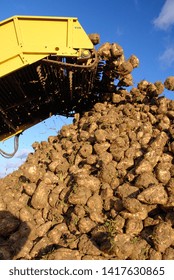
x=103 y=188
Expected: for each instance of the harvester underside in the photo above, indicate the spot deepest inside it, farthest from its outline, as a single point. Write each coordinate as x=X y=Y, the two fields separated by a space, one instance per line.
x=42 y=89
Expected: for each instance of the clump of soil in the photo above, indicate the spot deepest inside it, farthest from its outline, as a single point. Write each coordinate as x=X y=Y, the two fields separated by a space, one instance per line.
x=103 y=188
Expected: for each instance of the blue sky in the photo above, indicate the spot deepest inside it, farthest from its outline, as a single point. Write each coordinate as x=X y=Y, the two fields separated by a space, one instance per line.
x=142 y=27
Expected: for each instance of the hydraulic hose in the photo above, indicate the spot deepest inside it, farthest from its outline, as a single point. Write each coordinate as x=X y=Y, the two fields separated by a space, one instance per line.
x=16 y=145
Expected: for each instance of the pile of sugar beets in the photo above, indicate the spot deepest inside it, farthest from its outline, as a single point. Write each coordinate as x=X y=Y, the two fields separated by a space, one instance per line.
x=103 y=188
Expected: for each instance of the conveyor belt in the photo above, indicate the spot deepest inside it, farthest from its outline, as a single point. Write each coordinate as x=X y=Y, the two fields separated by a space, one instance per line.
x=50 y=86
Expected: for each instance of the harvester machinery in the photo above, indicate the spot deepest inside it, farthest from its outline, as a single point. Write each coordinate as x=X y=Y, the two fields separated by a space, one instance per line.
x=48 y=65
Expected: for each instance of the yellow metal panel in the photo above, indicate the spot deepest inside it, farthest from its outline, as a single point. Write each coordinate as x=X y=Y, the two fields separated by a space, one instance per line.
x=10 y=65
x=25 y=40
x=80 y=39
x=9 y=44
x=43 y=33
x=8 y=136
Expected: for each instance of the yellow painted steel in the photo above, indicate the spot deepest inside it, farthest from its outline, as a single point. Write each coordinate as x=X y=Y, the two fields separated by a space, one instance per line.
x=6 y=137
x=27 y=39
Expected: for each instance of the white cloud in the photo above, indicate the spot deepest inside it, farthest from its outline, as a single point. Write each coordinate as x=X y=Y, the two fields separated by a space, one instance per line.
x=8 y=168
x=119 y=31
x=136 y=2
x=12 y=165
x=167 y=58
x=166 y=17
x=9 y=165
x=2 y=174
x=22 y=154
